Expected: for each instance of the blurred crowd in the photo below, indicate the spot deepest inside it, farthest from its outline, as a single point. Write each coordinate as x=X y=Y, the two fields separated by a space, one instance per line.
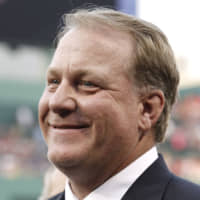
x=23 y=151
x=185 y=127
x=182 y=145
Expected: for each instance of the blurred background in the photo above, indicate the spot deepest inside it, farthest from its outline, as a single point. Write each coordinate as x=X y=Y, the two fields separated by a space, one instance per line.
x=27 y=32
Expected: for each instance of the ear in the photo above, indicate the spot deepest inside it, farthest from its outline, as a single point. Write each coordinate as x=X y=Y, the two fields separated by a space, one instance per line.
x=151 y=107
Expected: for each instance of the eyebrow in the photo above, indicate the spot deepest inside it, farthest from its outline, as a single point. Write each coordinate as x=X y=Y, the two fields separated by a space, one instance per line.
x=52 y=71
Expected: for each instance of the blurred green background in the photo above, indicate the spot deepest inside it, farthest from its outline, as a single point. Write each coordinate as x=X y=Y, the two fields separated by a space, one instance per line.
x=22 y=188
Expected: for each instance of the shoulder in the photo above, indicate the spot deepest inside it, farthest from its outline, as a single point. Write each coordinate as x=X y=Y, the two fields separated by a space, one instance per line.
x=60 y=196
x=179 y=188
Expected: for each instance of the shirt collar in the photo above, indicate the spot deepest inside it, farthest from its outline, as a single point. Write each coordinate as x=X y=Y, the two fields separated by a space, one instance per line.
x=115 y=187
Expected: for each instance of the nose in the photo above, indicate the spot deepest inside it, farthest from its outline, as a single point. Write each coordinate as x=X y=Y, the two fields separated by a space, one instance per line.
x=62 y=101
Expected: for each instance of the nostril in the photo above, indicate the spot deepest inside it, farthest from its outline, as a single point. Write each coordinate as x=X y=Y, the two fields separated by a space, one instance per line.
x=63 y=106
x=64 y=113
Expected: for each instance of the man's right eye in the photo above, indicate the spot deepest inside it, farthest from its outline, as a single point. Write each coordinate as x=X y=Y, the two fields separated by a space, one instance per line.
x=53 y=81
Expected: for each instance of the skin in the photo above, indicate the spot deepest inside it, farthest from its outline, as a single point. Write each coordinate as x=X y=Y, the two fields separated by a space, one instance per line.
x=92 y=118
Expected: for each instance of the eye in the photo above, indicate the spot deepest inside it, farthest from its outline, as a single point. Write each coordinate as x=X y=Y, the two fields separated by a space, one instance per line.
x=87 y=83
x=53 y=81
x=52 y=84
x=87 y=86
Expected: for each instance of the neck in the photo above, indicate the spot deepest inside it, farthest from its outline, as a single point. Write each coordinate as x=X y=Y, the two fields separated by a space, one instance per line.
x=86 y=178
x=84 y=181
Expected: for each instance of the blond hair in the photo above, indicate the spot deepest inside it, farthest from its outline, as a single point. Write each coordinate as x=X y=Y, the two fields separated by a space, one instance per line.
x=153 y=65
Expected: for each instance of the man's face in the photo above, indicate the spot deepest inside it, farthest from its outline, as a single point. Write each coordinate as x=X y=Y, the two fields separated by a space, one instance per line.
x=89 y=111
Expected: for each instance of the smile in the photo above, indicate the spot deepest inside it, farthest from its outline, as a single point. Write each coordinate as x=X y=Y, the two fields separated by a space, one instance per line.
x=67 y=128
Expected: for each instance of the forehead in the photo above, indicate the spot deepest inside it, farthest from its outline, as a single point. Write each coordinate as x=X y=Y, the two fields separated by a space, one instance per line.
x=101 y=34
x=81 y=46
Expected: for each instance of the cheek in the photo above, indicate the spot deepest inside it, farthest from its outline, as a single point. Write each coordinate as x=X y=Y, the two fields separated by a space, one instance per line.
x=95 y=107
x=105 y=107
x=107 y=114
x=42 y=110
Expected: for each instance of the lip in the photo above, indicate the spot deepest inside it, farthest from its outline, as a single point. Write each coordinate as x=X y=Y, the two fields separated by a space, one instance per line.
x=67 y=128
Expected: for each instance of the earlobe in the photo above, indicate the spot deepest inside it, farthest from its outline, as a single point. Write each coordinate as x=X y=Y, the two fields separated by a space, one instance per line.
x=151 y=109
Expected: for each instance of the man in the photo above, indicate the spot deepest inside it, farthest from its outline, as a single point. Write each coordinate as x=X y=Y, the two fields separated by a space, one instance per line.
x=110 y=88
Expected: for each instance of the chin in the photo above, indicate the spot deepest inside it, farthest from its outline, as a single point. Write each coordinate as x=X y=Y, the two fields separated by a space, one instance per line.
x=63 y=159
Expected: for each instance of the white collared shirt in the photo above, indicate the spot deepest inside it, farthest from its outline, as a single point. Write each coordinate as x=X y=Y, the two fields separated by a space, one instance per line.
x=116 y=187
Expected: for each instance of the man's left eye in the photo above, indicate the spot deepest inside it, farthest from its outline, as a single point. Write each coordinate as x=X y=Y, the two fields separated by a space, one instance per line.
x=88 y=86
x=87 y=83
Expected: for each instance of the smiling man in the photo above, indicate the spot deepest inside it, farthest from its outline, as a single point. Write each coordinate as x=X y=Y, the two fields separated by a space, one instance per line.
x=110 y=88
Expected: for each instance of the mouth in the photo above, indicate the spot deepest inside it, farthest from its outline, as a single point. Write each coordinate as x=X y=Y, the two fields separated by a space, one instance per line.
x=58 y=127
x=70 y=126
